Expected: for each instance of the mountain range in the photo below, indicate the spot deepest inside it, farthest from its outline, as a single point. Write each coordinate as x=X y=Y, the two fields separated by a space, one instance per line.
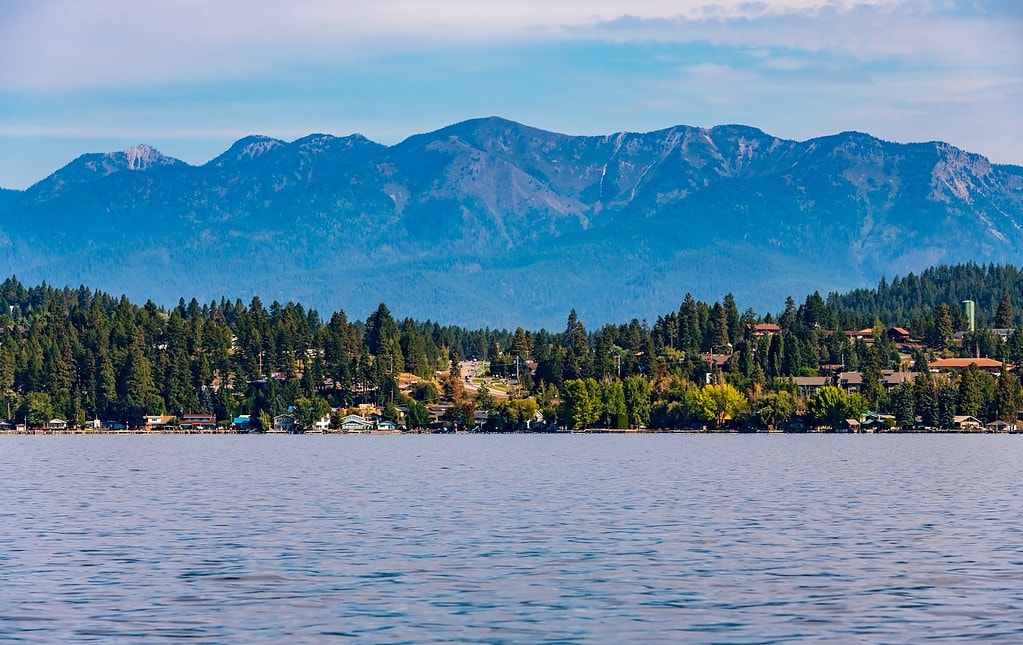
x=490 y=222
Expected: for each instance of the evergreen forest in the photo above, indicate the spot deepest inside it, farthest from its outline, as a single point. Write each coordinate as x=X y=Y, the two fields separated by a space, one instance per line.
x=78 y=354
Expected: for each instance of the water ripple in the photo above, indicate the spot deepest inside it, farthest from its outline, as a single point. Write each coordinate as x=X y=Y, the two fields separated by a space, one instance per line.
x=567 y=539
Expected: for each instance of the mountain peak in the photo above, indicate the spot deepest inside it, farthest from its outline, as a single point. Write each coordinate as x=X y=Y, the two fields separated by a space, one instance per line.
x=250 y=147
x=141 y=156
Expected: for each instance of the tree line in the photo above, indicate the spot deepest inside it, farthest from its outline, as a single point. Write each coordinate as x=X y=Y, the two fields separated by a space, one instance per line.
x=80 y=354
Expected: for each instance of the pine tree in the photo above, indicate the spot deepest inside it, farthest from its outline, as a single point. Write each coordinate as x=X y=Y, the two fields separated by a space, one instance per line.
x=1004 y=314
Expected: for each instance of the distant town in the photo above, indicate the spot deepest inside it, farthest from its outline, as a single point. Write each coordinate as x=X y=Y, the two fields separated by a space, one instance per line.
x=75 y=361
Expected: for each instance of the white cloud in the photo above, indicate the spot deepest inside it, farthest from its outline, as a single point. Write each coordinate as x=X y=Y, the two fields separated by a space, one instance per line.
x=57 y=44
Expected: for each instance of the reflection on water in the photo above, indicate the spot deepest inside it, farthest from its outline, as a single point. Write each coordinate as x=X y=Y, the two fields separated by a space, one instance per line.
x=578 y=538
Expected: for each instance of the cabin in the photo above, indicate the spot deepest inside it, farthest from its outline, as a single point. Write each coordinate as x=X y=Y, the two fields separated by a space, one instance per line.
x=198 y=422
x=57 y=424
x=764 y=329
x=1000 y=426
x=898 y=335
x=966 y=423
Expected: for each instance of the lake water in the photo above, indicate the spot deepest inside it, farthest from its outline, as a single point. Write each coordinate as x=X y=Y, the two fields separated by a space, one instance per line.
x=476 y=538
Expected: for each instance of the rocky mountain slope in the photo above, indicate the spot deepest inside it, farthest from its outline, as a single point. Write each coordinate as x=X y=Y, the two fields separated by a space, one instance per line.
x=490 y=222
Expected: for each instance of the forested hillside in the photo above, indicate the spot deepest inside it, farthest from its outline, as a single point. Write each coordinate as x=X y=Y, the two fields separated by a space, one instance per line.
x=914 y=296
x=78 y=354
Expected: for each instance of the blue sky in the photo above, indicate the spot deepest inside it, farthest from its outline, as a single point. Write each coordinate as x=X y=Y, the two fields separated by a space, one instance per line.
x=192 y=76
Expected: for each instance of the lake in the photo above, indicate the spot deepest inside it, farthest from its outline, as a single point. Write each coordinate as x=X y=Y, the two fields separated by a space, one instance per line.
x=521 y=538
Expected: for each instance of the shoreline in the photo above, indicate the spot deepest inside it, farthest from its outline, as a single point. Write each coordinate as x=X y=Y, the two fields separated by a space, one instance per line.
x=44 y=432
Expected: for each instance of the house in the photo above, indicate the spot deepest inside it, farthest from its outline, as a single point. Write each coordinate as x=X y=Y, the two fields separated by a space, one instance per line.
x=1003 y=333
x=56 y=424
x=898 y=335
x=356 y=424
x=480 y=417
x=1000 y=426
x=387 y=426
x=198 y=422
x=810 y=385
x=242 y=423
x=283 y=423
x=966 y=422
x=850 y=425
x=322 y=424
x=718 y=360
x=437 y=411
x=988 y=365
x=764 y=329
x=875 y=422
x=860 y=334
x=113 y=425
x=95 y=424
x=891 y=379
x=157 y=421
x=850 y=381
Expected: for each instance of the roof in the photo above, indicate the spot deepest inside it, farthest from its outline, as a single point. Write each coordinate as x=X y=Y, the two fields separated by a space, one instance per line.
x=900 y=331
x=850 y=378
x=766 y=327
x=811 y=381
x=960 y=363
x=965 y=418
x=716 y=359
x=895 y=378
x=867 y=332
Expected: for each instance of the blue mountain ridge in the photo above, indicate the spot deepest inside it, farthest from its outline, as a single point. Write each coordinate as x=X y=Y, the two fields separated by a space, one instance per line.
x=493 y=223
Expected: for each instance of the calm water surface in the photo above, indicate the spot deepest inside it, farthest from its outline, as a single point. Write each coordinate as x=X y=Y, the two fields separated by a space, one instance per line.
x=577 y=538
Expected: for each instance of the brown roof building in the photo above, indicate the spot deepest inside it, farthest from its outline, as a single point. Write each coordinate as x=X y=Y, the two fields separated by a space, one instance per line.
x=986 y=364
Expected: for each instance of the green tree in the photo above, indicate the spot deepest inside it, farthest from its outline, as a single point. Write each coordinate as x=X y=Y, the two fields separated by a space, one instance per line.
x=615 y=412
x=776 y=408
x=1004 y=314
x=36 y=409
x=483 y=399
x=945 y=399
x=829 y=406
x=417 y=416
x=903 y=404
x=1007 y=397
x=577 y=344
x=940 y=334
x=266 y=422
x=637 y=400
x=970 y=399
x=580 y=403
x=309 y=410
x=721 y=402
